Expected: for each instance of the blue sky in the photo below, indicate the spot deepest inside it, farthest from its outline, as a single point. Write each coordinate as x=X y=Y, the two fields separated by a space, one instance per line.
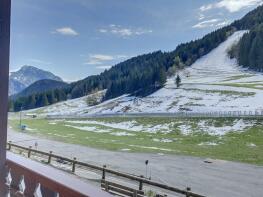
x=78 y=38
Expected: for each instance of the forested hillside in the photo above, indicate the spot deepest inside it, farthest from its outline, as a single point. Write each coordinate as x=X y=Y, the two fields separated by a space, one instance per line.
x=43 y=85
x=126 y=77
x=146 y=73
x=37 y=100
x=249 y=51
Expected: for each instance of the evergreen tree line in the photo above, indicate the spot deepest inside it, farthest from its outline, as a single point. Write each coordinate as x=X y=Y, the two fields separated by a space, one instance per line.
x=249 y=50
x=37 y=100
x=149 y=71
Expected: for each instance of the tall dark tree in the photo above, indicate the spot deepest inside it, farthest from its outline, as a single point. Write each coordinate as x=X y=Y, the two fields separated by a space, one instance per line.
x=43 y=101
x=162 y=77
x=178 y=81
x=31 y=102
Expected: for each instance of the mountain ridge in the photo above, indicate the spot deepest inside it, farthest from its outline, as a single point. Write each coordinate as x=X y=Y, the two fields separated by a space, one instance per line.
x=26 y=76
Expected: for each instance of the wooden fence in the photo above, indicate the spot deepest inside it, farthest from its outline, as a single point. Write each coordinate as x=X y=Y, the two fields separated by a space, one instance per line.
x=102 y=169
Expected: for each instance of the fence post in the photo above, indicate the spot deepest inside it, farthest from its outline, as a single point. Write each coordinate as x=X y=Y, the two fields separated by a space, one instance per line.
x=9 y=145
x=106 y=186
x=29 y=152
x=49 y=157
x=74 y=164
x=104 y=172
x=188 y=189
x=140 y=184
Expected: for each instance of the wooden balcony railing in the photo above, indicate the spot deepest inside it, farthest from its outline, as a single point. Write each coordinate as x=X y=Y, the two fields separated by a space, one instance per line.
x=24 y=177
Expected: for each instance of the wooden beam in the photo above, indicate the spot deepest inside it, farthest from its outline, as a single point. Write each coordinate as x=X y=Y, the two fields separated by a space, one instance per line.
x=5 y=11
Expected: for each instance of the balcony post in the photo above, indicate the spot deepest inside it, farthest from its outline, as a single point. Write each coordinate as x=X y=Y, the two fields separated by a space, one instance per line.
x=5 y=11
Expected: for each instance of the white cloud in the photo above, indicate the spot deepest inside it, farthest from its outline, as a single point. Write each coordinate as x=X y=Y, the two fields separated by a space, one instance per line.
x=201 y=16
x=67 y=31
x=224 y=23
x=211 y=23
x=206 y=7
x=101 y=57
x=231 y=5
x=98 y=59
x=124 y=31
x=103 y=30
x=207 y=23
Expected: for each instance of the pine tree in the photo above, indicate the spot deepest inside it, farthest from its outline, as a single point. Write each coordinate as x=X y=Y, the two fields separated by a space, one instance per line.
x=162 y=77
x=31 y=103
x=51 y=97
x=178 y=81
x=43 y=100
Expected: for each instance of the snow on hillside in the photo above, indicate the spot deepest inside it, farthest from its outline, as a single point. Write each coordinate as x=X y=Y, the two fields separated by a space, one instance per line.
x=212 y=83
x=74 y=106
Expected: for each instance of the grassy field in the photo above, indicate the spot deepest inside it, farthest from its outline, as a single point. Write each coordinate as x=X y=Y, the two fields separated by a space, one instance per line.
x=251 y=85
x=214 y=138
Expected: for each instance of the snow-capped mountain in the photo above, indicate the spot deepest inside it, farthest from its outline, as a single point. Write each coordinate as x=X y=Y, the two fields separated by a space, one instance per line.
x=26 y=76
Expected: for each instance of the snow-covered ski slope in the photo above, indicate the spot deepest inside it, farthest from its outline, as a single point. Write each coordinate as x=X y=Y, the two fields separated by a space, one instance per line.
x=212 y=83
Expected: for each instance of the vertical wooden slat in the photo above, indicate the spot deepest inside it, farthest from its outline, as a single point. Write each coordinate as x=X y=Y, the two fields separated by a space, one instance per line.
x=47 y=192
x=5 y=7
x=31 y=185
x=16 y=177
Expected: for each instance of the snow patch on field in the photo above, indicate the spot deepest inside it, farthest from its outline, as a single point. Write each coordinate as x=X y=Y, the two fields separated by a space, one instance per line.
x=238 y=125
x=209 y=126
x=122 y=134
x=163 y=140
x=251 y=145
x=52 y=123
x=185 y=129
x=150 y=147
x=208 y=144
x=89 y=128
x=128 y=125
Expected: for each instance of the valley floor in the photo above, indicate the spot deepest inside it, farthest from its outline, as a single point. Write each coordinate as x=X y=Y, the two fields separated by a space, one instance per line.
x=219 y=178
x=235 y=139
